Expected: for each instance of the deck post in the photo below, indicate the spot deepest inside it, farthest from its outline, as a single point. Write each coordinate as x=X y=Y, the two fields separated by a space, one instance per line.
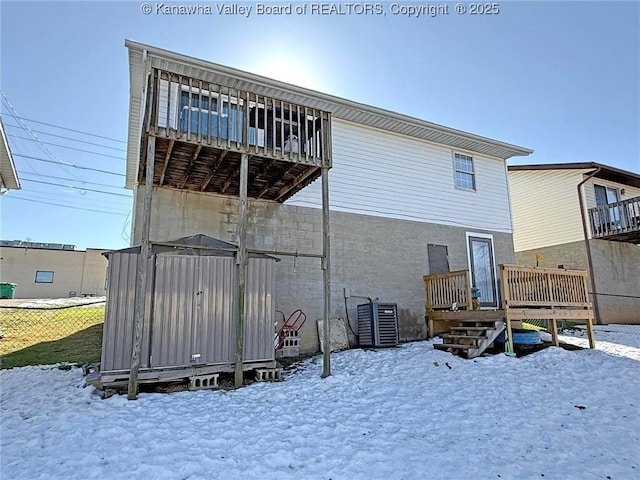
x=241 y=261
x=143 y=262
x=592 y=339
x=326 y=273
x=506 y=297
x=554 y=332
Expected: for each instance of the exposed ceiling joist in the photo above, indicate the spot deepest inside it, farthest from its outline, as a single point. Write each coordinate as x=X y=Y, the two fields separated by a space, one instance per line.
x=214 y=168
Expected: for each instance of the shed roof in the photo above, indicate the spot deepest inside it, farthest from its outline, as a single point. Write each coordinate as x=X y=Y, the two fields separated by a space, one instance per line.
x=143 y=56
x=199 y=244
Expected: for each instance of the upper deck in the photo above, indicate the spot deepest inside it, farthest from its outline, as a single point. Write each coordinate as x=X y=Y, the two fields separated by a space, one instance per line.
x=201 y=129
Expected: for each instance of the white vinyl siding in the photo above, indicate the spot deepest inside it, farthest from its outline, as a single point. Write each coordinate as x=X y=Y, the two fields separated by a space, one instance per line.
x=168 y=102
x=545 y=206
x=383 y=174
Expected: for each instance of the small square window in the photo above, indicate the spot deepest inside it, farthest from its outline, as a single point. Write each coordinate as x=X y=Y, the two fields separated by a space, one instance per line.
x=464 y=174
x=44 y=276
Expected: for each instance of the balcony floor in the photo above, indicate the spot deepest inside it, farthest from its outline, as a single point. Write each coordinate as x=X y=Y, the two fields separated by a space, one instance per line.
x=211 y=169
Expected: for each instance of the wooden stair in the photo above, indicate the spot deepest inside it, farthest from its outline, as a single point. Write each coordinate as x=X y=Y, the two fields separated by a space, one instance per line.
x=471 y=337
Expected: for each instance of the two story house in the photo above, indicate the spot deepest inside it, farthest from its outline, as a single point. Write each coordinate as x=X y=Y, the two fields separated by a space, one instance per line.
x=584 y=216
x=407 y=197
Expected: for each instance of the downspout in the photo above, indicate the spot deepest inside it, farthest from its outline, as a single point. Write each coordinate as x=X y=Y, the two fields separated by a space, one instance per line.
x=585 y=231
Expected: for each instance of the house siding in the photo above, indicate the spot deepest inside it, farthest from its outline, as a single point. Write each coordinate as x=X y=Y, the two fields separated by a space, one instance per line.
x=389 y=175
x=546 y=210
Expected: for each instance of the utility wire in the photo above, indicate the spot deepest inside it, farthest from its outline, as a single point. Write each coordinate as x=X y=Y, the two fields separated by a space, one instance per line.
x=28 y=129
x=79 y=188
x=71 y=200
x=70 y=180
x=73 y=139
x=70 y=165
x=65 y=206
x=64 y=146
x=65 y=128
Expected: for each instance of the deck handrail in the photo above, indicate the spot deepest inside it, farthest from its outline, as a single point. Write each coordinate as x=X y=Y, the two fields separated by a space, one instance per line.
x=445 y=291
x=543 y=287
x=212 y=114
x=615 y=218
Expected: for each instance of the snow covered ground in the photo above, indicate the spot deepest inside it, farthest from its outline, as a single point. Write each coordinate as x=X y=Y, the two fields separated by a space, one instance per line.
x=406 y=413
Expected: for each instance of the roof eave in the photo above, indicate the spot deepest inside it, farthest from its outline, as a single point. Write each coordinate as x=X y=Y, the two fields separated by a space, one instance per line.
x=7 y=167
x=606 y=172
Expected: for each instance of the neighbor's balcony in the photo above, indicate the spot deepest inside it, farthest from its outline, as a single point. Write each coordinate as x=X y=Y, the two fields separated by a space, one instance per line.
x=201 y=130
x=619 y=221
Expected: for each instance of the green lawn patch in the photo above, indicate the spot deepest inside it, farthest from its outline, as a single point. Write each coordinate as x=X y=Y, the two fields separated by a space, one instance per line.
x=46 y=336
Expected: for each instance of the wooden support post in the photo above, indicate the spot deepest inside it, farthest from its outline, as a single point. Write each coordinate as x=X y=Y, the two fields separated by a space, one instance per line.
x=554 y=332
x=510 y=335
x=326 y=273
x=592 y=338
x=242 y=267
x=143 y=261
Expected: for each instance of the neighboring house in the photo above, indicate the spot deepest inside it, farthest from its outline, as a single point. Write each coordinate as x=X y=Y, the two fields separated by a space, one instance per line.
x=407 y=197
x=8 y=176
x=50 y=270
x=548 y=221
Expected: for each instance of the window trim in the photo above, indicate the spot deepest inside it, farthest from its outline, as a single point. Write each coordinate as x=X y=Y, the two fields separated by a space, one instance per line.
x=472 y=173
x=44 y=271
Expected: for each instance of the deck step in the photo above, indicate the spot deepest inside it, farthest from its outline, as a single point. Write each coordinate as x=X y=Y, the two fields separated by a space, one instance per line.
x=472 y=329
x=467 y=320
x=470 y=337
x=446 y=346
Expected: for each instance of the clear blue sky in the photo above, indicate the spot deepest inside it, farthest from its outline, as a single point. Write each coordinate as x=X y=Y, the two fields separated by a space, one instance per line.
x=562 y=78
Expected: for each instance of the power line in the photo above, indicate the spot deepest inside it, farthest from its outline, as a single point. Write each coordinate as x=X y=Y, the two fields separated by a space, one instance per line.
x=78 y=188
x=74 y=198
x=70 y=180
x=69 y=165
x=64 y=146
x=74 y=139
x=68 y=129
x=65 y=206
x=28 y=129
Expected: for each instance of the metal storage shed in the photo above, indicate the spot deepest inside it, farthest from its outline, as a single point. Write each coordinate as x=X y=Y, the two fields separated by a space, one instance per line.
x=193 y=300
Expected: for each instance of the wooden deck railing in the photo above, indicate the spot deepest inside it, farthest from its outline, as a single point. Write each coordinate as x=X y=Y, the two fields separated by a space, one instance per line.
x=543 y=287
x=210 y=114
x=548 y=294
x=615 y=218
x=446 y=290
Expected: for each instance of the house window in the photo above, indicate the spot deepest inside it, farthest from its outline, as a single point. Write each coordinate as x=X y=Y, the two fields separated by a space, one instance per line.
x=605 y=195
x=465 y=177
x=43 y=276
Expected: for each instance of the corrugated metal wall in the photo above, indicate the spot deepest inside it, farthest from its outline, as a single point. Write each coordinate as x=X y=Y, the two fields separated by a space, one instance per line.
x=117 y=336
x=260 y=309
x=194 y=311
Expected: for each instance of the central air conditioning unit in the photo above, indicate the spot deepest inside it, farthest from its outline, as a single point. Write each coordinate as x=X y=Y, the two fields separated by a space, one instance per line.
x=378 y=324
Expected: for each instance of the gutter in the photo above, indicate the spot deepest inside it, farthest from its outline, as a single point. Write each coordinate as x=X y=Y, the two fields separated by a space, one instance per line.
x=585 y=231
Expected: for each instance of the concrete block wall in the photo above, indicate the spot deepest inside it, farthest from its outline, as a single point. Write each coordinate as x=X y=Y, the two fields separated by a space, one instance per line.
x=371 y=256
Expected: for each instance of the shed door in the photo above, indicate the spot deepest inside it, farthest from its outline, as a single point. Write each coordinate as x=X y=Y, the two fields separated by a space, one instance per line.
x=193 y=321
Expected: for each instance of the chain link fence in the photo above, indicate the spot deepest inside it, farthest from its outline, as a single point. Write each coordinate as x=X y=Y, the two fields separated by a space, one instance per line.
x=43 y=334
